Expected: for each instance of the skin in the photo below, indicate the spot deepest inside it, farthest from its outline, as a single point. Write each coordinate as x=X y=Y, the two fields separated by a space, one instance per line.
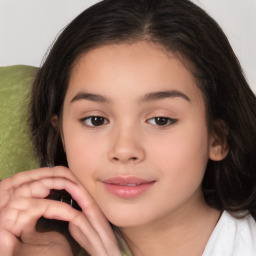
x=130 y=143
x=22 y=203
x=171 y=216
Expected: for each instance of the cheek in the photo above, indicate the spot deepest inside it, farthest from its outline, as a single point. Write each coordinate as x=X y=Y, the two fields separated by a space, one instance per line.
x=183 y=154
x=181 y=161
x=83 y=154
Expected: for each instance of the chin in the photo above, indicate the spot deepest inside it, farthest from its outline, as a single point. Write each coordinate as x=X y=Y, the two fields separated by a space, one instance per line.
x=124 y=218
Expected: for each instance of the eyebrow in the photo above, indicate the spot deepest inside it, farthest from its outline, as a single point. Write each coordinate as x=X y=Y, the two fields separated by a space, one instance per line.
x=164 y=94
x=147 y=97
x=90 y=96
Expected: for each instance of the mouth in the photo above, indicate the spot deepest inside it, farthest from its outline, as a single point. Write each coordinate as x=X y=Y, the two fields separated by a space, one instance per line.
x=127 y=187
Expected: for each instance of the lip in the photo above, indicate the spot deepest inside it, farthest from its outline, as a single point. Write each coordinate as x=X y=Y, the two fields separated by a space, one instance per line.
x=127 y=187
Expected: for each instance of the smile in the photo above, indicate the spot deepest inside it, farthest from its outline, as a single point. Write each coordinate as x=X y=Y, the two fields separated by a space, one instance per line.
x=127 y=187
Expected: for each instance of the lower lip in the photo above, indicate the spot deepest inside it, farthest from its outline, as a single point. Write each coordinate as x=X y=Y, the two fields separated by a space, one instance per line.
x=127 y=191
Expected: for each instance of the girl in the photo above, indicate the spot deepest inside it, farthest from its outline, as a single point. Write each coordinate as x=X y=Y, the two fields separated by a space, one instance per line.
x=143 y=108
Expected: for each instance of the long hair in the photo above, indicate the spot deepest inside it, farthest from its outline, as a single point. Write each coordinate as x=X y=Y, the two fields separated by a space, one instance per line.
x=186 y=30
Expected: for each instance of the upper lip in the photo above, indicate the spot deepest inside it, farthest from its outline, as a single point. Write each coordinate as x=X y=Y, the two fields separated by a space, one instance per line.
x=129 y=180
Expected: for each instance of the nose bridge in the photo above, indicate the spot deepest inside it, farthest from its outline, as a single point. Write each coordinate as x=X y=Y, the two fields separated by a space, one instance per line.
x=126 y=143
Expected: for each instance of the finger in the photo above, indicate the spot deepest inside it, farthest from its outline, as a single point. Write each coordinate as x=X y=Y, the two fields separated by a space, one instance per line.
x=41 y=188
x=22 y=212
x=8 y=185
x=15 y=220
x=86 y=236
x=25 y=222
x=7 y=243
x=46 y=243
x=89 y=207
x=19 y=205
x=103 y=228
x=93 y=245
x=95 y=217
x=46 y=172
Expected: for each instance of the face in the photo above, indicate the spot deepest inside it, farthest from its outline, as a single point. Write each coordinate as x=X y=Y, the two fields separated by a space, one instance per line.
x=135 y=132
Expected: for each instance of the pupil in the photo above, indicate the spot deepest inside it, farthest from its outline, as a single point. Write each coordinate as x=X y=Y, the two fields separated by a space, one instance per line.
x=161 y=121
x=96 y=120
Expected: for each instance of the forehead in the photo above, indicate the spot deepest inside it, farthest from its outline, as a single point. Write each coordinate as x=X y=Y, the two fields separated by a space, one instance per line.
x=143 y=65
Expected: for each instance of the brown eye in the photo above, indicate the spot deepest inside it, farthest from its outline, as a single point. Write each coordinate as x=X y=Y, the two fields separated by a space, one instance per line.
x=162 y=121
x=93 y=121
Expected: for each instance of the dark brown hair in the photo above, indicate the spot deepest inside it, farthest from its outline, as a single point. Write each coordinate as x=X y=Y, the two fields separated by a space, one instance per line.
x=180 y=27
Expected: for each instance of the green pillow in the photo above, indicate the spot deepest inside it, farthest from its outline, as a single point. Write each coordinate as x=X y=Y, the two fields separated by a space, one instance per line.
x=16 y=151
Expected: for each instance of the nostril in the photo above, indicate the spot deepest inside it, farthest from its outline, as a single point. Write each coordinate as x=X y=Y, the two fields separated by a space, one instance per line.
x=134 y=158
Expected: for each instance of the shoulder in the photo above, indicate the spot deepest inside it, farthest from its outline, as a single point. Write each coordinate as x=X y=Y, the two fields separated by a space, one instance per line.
x=232 y=237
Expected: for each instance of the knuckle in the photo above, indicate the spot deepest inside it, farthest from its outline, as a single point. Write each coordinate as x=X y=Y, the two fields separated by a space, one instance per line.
x=5 y=184
x=59 y=170
x=8 y=218
x=6 y=191
x=78 y=218
x=5 y=239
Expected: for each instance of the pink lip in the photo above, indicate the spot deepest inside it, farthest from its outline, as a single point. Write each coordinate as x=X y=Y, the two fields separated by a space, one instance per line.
x=127 y=187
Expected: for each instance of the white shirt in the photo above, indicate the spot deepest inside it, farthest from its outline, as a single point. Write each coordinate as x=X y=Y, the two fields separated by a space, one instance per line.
x=232 y=237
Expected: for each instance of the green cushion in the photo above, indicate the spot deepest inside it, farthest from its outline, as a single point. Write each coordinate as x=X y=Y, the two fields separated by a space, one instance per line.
x=16 y=153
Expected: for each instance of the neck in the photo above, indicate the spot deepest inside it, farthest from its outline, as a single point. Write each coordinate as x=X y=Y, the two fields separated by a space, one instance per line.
x=180 y=234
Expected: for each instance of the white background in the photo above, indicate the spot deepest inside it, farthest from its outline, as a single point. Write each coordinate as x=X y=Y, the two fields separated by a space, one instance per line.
x=28 y=27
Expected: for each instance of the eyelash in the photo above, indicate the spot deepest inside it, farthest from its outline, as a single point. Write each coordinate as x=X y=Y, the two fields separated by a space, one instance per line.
x=169 y=121
x=166 y=121
x=90 y=118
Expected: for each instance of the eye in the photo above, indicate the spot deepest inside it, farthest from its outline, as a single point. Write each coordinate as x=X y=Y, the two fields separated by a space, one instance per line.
x=162 y=121
x=94 y=121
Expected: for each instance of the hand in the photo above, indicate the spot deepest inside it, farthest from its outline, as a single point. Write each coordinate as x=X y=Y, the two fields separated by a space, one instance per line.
x=42 y=244
x=23 y=202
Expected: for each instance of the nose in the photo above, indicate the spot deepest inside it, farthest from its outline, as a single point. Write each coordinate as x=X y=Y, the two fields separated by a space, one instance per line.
x=126 y=147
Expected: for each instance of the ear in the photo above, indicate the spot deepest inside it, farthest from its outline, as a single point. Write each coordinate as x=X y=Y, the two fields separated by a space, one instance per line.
x=218 y=141
x=55 y=124
x=54 y=121
x=217 y=152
